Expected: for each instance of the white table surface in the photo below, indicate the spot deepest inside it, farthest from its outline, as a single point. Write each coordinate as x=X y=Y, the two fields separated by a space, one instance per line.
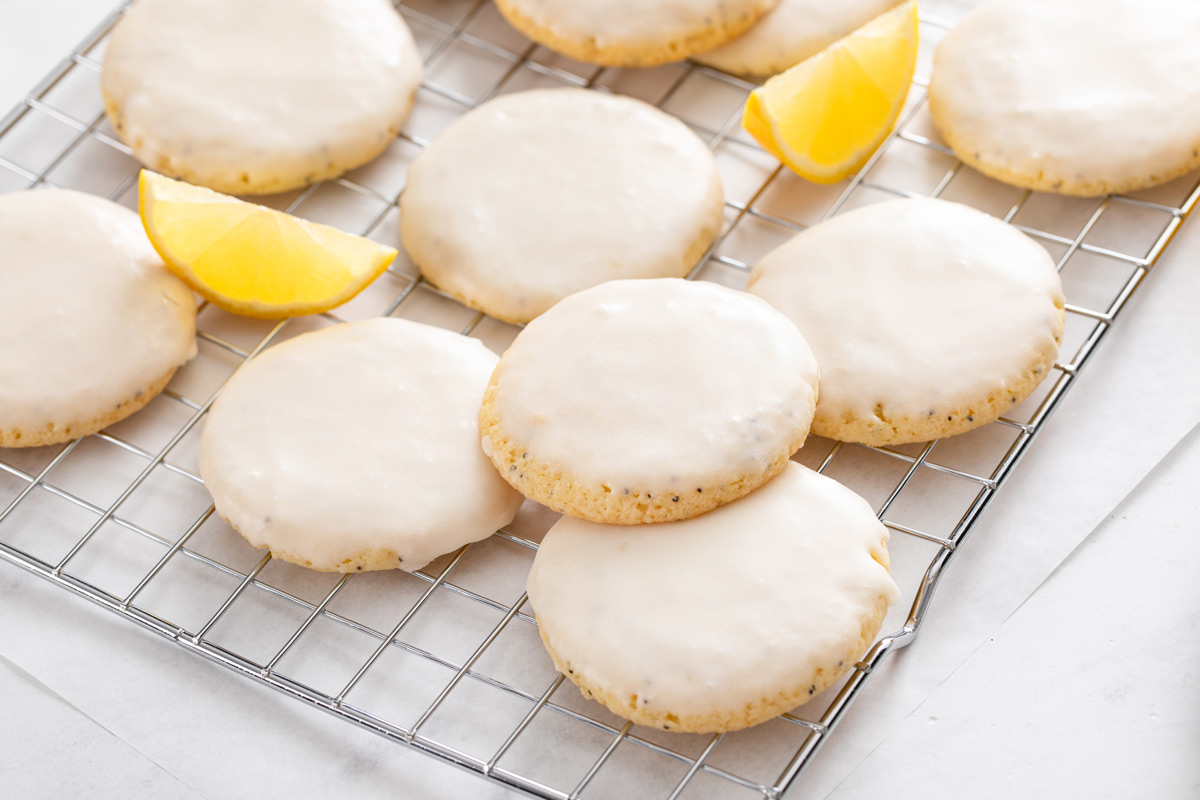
x=1089 y=688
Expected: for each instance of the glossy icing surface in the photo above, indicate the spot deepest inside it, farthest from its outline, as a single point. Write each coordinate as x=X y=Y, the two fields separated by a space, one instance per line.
x=357 y=440
x=913 y=305
x=537 y=195
x=231 y=93
x=89 y=315
x=719 y=613
x=1074 y=96
x=657 y=383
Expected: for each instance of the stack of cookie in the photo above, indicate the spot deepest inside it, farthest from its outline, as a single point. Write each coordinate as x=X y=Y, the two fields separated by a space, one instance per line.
x=656 y=401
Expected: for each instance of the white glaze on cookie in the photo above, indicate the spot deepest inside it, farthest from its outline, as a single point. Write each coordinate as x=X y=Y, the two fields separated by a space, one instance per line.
x=627 y=21
x=252 y=97
x=538 y=195
x=1073 y=96
x=356 y=446
x=795 y=30
x=89 y=315
x=914 y=307
x=633 y=32
x=722 y=620
x=656 y=384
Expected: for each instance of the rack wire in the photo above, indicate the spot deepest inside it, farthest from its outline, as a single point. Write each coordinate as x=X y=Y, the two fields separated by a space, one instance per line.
x=121 y=517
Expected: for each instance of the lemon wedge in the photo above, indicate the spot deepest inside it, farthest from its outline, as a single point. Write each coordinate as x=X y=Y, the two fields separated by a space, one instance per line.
x=253 y=260
x=825 y=116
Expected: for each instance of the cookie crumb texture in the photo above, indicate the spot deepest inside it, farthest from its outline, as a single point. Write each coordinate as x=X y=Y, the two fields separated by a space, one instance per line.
x=356 y=448
x=92 y=325
x=632 y=33
x=649 y=400
x=928 y=318
x=259 y=97
x=719 y=622
x=1073 y=97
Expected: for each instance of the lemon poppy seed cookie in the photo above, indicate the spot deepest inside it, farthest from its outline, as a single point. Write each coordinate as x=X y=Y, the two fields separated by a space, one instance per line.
x=722 y=621
x=259 y=97
x=928 y=318
x=632 y=33
x=1072 y=96
x=92 y=326
x=795 y=30
x=649 y=400
x=540 y=194
x=357 y=448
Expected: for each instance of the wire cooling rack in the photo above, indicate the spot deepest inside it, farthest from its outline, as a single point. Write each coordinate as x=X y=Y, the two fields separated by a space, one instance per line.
x=447 y=660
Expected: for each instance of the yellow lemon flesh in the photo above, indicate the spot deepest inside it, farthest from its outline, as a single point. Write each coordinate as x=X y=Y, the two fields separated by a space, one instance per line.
x=825 y=116
x=253 y=260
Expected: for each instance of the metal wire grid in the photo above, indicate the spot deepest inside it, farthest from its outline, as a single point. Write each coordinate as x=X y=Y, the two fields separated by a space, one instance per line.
x=548 y=742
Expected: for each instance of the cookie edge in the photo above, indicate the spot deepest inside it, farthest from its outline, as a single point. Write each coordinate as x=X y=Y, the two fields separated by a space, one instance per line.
x=53 y=434
x=882 y=431
x=631 y=55
x=561 y=492
x=722 y=721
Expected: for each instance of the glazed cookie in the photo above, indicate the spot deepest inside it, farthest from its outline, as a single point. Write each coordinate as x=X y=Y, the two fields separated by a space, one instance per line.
x=649 y=400
x=356 y=448
x=795 y=30
x=719 y=622
x=928 y=318
x=1072 y=96
x=632 y=33
x=253 y=98
x=537 y=195
x=92 y=326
